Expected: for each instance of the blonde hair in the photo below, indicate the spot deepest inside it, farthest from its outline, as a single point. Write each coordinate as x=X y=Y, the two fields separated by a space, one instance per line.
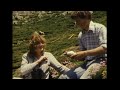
x=36 y=39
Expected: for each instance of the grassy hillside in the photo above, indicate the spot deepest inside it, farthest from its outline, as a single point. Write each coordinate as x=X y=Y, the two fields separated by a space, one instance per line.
x=58 y=30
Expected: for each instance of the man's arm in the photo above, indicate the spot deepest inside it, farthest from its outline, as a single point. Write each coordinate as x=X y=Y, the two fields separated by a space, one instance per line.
x=93 y=52
x=97 y=51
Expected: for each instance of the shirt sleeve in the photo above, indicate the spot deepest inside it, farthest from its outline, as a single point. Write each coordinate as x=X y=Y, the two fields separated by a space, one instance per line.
x=25 y=66
x=103 y=37
x=56 y=65
x=80 y=42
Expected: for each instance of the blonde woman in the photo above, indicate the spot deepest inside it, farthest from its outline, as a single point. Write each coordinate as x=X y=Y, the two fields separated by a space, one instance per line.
x=35 y=63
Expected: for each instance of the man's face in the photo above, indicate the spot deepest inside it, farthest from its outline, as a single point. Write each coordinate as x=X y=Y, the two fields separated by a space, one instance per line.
x=82 y=23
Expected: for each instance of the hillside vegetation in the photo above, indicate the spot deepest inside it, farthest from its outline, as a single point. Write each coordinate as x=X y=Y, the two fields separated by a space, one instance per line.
x=59 y=29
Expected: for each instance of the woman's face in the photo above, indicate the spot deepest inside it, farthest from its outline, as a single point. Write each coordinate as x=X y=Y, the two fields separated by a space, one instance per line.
x=39 y=48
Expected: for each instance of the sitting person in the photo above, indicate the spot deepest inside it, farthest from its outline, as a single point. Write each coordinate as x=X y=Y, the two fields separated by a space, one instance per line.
x=93 y=45
x=35 y=63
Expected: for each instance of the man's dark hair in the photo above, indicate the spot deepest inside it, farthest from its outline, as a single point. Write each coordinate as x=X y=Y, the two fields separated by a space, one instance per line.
x=81 y=14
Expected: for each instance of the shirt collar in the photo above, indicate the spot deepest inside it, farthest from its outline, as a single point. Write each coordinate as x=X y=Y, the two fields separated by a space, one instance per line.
x=91 y=27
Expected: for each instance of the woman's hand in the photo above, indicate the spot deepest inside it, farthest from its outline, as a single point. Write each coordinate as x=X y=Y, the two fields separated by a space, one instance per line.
x=42 y=58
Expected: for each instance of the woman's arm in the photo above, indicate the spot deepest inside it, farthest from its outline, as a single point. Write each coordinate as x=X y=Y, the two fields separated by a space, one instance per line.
x=56 y=65
x=28 y=67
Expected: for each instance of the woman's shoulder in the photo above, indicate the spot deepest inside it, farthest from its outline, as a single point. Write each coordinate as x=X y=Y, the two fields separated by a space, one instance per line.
x=50 y=56
x=47 y=53
x=25 y=55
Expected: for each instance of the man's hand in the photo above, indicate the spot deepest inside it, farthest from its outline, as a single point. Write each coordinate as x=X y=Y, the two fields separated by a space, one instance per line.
x=79 y=55
x=69 y=53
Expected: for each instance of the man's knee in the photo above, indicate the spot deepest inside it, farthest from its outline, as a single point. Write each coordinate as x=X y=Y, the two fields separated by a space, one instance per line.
x=92 y=68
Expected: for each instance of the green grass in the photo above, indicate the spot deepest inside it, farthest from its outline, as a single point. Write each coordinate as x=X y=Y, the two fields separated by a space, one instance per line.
x=57 y=29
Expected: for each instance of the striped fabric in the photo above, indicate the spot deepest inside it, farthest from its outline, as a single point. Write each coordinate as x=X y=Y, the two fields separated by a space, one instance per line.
x=96 y=36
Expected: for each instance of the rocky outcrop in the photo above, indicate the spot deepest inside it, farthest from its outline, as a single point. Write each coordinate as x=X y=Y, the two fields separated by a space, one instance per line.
x=25 y=16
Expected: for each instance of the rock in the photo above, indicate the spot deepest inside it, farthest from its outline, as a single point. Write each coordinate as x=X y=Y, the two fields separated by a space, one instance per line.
x=17 y=78
x=49 y=12
x=66 y=13
x=27 y=16
x=40 y=15
x=19 y=17
x=26 y=21
x=43 y=12
x=15 y=22
x=19 y=42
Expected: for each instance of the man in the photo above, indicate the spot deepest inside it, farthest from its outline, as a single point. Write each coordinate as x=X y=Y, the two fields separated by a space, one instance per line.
x=93 y=45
